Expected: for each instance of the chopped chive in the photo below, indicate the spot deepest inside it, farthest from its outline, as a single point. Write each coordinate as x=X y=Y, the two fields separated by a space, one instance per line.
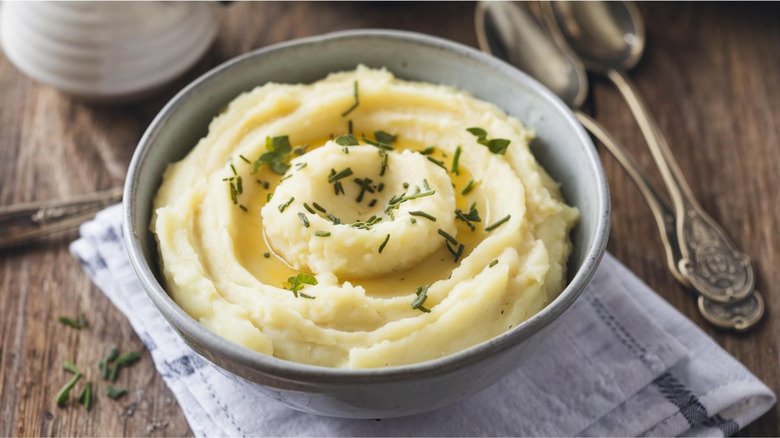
x=322 y=233
x=447 y=236
x=405 y=185
x=357 y=100
x=303 y=295
x=459 y=252
x=282 y=207
x=347 y=140
x=337 y=176
x=233 y=168
x=239 y=185
x=86 y=396
x=309 y=209
x=412 y=220
x=493 y=263
x=423 y=214
x=422 y=295
x=300 y=166
x=427 y=151
x=365 y=186
x=318 y=207
x=269 y=196
x=299 y=150
x=62 y=395
x=455 y=160
x=233 y=193
x=383 y=155
x=244 y=159
x=115 y=393
x=304 y=219
x=384 y=137
x=372 y=203
x=380 y=187
x=349 y=126
x=70 y=367
x=497 y=223
x=333 y=218
x=417 y=195
x=243 y=207
x=425 y=184
x=468 y=187
x=267 y=255
x=377 y=144
x=437 y=162
x=382 y=246
x=78 y=324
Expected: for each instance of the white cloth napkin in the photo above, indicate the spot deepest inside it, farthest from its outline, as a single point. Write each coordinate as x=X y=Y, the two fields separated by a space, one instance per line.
x=624 y=362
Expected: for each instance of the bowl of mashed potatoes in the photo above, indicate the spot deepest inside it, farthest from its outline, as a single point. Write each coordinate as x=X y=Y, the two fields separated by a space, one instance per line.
x=365 y=224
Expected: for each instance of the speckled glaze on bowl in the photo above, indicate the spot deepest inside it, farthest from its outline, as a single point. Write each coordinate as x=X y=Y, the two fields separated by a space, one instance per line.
x=563 y=148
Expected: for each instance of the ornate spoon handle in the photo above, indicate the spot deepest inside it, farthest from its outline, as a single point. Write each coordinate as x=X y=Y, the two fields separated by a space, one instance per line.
x=709 y=260
x=24 y=222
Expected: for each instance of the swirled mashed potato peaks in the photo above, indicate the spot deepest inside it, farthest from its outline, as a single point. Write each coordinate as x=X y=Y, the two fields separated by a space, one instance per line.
x=361 y=221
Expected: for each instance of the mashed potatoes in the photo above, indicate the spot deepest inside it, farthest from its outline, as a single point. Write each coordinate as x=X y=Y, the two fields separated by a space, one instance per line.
x=361 y=221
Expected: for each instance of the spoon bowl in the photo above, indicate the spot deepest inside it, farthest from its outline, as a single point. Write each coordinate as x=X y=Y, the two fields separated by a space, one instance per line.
x=509 y=31
x=605 y=35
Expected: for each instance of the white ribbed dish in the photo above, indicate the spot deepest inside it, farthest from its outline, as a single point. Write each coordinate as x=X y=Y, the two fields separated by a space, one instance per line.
x=104 y=50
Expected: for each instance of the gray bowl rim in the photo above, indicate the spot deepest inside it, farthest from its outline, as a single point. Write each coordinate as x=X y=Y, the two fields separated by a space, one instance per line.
x=314 y=374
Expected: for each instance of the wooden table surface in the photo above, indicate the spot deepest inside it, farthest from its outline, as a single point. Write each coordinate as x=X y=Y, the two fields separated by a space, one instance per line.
x=711 y=75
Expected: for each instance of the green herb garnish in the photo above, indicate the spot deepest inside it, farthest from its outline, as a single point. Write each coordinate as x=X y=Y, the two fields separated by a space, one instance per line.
x=334 y=176
x=299 y=166
x=278 y=149
x=383 y=155
x=115 y=393
x=282 y=207
x=365 y=186
x=70 y=367
x=309 y=209
x=384 y=243
x=455 y=160
x=471 y=216
x=437 y=162
x=357 y=100
x=86 y=396
x=243 y=207
x=122 y=361
x=497 y=223
x=244 y=159
x=427 y=151
x=267 y=255
x=372 y=203
x=377 y=144
x=347 y=140
x=493 y=263
x=319 y=207
x=496 y=145
x=333 y=218
x=422 y=295
x=297 y=283
x=447 y=236
x=62 y=395
x=468 y=187
x=303 y=219
x=322 y=233
x=423 y=214
x=78 y=324
x=384 y=137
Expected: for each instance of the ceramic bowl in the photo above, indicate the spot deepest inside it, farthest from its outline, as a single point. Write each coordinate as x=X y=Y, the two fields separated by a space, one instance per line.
x=563 y=148
x=111 y=52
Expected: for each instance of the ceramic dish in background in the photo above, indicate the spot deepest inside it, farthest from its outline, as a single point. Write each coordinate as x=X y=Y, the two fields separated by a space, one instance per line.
x=103 y=50
x=563 y=148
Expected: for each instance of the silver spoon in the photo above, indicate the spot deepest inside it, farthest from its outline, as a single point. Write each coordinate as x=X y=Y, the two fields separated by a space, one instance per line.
x=609 y=38
x=510 y=31
x=24 y=222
